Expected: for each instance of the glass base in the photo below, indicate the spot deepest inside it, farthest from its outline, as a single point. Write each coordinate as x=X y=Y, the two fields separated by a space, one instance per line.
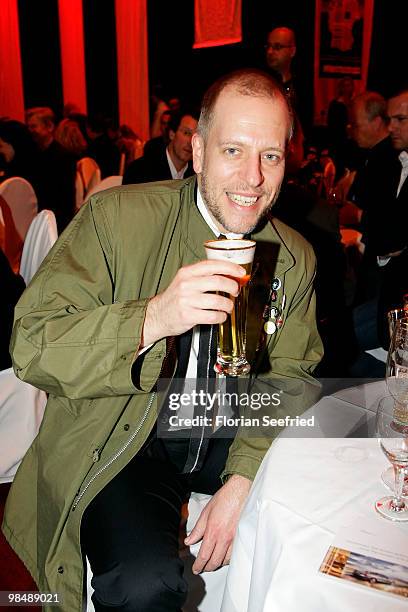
x=237 y=368
x=383 y=507
x=389 y=480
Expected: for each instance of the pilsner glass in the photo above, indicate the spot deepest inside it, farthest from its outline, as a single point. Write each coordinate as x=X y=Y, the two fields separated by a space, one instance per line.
x=231 y=358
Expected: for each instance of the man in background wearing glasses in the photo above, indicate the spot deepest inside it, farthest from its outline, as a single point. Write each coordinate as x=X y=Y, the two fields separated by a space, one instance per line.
x=280 y=50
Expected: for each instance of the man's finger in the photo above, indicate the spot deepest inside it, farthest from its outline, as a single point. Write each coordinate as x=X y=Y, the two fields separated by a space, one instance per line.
x=204 y=554
x=197 y=533
x=217 y=557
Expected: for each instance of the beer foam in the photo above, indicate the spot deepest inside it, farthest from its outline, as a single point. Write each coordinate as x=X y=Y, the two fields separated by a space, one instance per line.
x=239 y=251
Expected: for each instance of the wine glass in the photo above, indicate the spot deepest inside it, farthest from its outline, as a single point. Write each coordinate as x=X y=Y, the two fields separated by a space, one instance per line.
x=392 y=434
x=396 y=377
x=396 y=374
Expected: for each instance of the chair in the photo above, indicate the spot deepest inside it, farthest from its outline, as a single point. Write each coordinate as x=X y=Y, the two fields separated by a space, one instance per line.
x=106 y=183
x=40 y=237
x=88 y=175
x=21 y=411
x=22 y=202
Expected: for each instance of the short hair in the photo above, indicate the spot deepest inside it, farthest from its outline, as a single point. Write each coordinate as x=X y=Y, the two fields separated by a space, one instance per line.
x=287 y=30
x=246 y=82
x=399 y=92
x=374 y=105
x=70 y=137
x=43 y=113
x=176 y=117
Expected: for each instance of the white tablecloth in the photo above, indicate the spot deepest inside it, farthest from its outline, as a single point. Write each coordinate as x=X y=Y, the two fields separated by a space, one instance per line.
x=305 y=490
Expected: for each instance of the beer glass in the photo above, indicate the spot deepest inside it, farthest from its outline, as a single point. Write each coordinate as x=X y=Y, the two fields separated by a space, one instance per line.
x=231 y=358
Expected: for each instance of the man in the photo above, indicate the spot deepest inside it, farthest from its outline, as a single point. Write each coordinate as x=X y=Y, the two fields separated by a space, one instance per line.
x=99 y=327
x=372 y=187
x=56 y=168
x=280 y=51
x=395 y=262
x=166 y=162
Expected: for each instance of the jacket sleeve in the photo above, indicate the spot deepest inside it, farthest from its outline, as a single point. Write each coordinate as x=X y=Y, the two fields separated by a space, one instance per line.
x=70 y=337
x=291 y=361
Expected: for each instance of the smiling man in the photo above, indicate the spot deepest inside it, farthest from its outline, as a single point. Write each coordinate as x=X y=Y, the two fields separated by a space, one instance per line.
x=125 y=299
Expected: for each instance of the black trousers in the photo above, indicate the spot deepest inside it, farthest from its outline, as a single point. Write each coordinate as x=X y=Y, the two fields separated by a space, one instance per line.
x=130 y=530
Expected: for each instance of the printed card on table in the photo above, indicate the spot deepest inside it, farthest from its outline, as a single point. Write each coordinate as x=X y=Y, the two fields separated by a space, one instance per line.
x=370 y=554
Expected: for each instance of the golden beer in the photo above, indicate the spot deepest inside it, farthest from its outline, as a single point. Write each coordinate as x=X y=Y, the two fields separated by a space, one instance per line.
x=231 y=358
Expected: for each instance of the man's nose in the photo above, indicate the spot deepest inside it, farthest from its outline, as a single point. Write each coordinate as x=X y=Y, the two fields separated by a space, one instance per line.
x=251 y=171
x=392 y=125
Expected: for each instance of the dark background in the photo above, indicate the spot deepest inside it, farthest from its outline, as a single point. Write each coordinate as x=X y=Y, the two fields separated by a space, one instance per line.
x=175 y=68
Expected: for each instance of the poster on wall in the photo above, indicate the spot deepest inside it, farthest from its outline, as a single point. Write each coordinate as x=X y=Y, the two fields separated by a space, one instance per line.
x=342 y=49
x=341 y=38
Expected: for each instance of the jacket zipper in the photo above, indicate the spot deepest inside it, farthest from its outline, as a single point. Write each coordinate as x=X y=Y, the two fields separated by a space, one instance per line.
x=115 y=456
x=118 y=453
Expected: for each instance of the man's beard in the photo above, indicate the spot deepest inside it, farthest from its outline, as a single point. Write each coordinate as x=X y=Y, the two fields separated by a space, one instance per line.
x=210 y=199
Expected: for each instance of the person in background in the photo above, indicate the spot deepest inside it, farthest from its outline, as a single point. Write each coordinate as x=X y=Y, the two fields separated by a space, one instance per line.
x=17 y=151
x=372 y=190
x=55 y=184
x=103 y=148
x=395 y=262
x=169 y=162
x=338 y=120
x=280 y=50
x=129 y=145
x=70 y=137
x=12 y=286
x=155 y=145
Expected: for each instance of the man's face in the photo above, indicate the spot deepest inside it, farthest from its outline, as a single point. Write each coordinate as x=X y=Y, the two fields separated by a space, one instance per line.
x=180 y=141
x=398 y=126
x=241 y=164
x=280 y=50
x=40 y=130
x=363 y=131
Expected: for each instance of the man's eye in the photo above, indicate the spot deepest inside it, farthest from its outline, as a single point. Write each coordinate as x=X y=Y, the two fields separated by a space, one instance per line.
x=273 y=157
x=231 y=151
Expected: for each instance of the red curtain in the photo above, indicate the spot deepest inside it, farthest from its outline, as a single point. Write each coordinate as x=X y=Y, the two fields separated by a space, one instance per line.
x=342 y=48
x=11 y=80
x=217 y=22
x=133 y=80
x=72 y=53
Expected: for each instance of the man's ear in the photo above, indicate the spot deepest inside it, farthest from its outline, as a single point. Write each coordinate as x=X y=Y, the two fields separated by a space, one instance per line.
x=172 y=134
x=197 y=144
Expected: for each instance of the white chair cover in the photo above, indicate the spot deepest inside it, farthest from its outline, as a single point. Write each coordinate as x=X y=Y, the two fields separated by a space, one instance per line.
x=40 y=237
x=106 y=183
x=88 y=175
x=22 y=201
x=21 y=411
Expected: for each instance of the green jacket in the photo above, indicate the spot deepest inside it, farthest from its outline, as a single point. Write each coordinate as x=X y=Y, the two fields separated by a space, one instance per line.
x=77 y=331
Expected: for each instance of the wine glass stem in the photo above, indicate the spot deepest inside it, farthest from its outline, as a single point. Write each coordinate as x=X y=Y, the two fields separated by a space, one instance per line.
x=397 y=503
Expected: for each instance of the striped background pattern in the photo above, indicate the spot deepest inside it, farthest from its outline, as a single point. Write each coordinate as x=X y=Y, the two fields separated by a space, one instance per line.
x=76 y=51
